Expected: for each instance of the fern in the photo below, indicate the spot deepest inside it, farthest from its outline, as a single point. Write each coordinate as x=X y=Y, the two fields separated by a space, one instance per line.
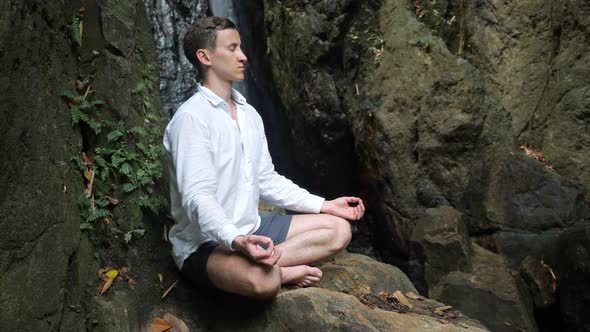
x=129 y=235
x=75 y=33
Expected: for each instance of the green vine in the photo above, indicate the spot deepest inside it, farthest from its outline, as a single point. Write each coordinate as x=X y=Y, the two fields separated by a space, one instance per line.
x=127 y=162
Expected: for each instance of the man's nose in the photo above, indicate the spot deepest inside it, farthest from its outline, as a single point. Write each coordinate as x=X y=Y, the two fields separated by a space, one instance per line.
x=242 y=57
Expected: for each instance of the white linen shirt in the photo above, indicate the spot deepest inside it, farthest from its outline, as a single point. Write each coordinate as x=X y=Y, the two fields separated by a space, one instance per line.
x=218 y=173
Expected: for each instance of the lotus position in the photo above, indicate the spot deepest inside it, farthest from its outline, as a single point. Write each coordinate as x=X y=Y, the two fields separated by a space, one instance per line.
x=220 y=168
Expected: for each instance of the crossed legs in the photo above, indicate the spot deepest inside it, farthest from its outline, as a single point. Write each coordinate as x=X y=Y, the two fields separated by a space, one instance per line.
x=311 y=237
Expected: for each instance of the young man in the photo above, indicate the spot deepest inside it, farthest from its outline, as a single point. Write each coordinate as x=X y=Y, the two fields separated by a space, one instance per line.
x=219 y=169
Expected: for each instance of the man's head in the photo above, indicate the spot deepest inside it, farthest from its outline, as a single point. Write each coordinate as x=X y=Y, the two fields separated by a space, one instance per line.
x=213 y=44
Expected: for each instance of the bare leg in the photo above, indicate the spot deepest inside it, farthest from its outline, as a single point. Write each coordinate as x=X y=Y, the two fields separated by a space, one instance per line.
x=234 y=273
x=311 y=238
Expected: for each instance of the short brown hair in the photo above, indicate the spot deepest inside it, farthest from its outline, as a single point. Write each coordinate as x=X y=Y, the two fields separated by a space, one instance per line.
x=203 y=34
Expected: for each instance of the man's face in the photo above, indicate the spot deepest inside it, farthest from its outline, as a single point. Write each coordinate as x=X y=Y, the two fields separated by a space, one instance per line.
x=227 y=60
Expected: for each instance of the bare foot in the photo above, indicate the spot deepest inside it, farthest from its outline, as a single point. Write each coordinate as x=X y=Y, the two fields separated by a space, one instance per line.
x=300 y=275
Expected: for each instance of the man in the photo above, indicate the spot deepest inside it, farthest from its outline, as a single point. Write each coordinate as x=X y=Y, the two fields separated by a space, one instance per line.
x=219 y=169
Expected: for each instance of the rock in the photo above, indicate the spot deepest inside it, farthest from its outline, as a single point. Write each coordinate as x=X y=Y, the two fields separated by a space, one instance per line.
x=488 y=292
x=573 y=275
x=314 y=309
x=356 y=274
x=539 y=280
x=311 y=309
x=441 y=241
x=516 y=192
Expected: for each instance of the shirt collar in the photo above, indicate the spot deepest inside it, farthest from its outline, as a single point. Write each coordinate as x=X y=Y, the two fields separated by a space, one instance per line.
x=215 y=100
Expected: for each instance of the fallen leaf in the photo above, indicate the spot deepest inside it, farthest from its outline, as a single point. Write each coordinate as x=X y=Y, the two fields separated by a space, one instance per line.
x=161 y=277
x=169 y=289
x=165 y=235
x=101 y=272
x=112 y=274
x=414 y=296
x=86 y=161
x=89 y=175
x=80 y=86
x=178 y=324
x=443 y=308
x=106 y=285
x=402 y=299
x=113 y=200
x=131 y=282
x=160 y=325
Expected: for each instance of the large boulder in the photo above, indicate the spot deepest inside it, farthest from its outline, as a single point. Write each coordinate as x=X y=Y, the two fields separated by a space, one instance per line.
x=441 y=242
x=356 y=294
x=355 y=274
x=488 y=292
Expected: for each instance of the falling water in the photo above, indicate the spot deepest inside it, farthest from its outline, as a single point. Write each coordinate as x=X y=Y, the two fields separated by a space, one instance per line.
x=170 y=20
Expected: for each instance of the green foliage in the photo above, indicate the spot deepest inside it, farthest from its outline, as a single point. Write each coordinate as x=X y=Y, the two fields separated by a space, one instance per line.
x=128 y=161
x=90 y=213
x=81 y=110
x=129 y=235
x=75 y=33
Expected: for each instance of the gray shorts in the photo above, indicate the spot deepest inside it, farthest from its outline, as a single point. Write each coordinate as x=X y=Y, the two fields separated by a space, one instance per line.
x=194 y=268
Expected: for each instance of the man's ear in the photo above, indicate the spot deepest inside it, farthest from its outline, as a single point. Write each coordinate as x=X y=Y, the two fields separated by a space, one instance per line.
x=203 y=56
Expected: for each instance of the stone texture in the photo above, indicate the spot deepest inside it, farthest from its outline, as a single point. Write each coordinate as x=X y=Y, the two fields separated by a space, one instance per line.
x=442 y=243
x=540 y=281
x=488 y=292
x=355 y=274
x=46 y=263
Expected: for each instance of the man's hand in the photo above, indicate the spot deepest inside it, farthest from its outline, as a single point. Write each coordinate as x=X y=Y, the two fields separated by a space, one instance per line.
x=250 y=246
x=341 y=207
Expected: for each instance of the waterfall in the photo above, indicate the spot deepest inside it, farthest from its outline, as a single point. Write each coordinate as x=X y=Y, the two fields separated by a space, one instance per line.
x=169 y=20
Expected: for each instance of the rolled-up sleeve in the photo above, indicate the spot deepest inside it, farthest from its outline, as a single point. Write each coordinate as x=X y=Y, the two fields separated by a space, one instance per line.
x=188 y=142
x=280 y=191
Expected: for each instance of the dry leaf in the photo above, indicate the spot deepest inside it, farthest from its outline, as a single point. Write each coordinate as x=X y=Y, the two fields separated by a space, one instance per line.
x=86 y=161
x=80 y=86
x=112 y=273
x=161 y=277
x=113 y=200
x=178 y=324
x=160 y=325
x=402 y=299
x=131 y=282
x=165 y=235
x=101 y=272
x=169 y=289
x=443 y=308
x=89 y=175
x=414 y=296
x=106 y=285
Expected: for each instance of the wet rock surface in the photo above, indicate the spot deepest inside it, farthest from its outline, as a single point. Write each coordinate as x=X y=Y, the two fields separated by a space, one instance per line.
x=470 y=105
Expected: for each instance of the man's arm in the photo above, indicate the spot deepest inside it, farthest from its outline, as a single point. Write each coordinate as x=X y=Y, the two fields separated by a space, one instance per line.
x=188 y=143
x=279 y=191
x=349 y=208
